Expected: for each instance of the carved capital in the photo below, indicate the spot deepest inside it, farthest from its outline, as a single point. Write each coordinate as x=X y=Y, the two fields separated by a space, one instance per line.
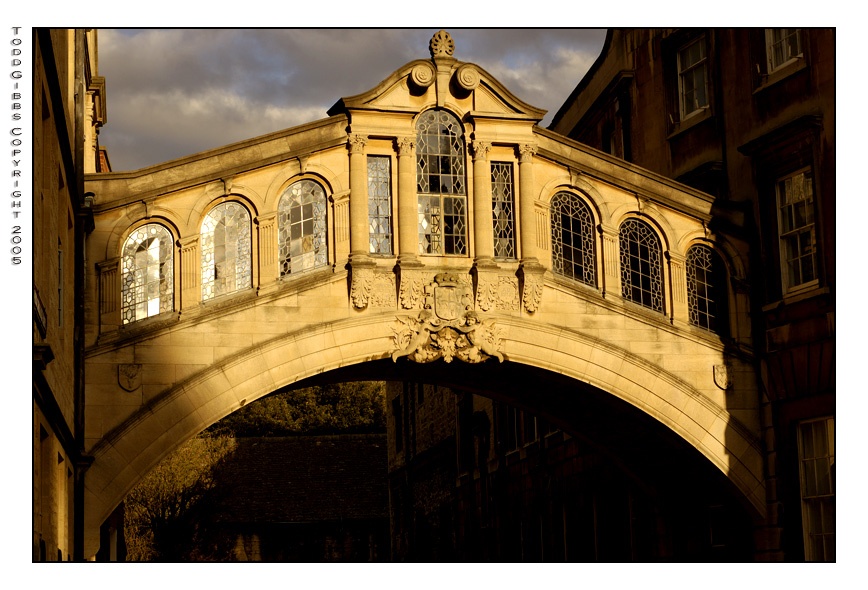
x=481 y=149
x=357 y=143
x=406 y=145
x=526 y=152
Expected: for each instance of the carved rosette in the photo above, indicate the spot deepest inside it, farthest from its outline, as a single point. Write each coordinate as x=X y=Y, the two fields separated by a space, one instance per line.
x=467 y=77
x=422 y=75
x=499 y=292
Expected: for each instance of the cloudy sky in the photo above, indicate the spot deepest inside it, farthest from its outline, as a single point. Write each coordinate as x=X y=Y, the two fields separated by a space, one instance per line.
x=175 y=92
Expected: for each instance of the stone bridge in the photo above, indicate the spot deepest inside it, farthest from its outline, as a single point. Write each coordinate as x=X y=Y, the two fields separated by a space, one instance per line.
x=429 y=221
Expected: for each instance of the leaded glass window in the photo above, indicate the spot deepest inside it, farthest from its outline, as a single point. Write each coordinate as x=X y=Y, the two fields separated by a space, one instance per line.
x=503 y=209
x=441 y=184
x=706 y=289
x=798 y=238
x=380 y=204
x=573 y=239
x=641 y=265
x=225 y=246
x=147 y=273
x=817 y=474
x=301 y=237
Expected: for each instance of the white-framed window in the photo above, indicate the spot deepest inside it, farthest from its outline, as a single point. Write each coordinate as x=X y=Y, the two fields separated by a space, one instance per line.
x=798 y=239
x=225 y=246
x=503 y=209
x=147 y=273
x=782 y=47
x=573 y=239
x=301 y=228
x=441 y=184
x=692 y=78
x=641 y=264
x=380 y=204
x=816 y=440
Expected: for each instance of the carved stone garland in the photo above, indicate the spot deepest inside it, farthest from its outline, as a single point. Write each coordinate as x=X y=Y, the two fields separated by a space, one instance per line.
x=447 y=327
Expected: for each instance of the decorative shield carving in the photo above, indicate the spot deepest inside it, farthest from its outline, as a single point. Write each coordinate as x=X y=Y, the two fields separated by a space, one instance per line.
x=447 y=327
x=130 y=377
x=721 y=376
x=452 y=297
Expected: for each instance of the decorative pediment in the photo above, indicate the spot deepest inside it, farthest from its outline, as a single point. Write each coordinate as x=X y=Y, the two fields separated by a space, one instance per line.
x=439 y=81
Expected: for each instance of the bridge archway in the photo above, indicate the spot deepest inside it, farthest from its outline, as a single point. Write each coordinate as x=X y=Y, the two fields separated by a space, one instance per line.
x=357 y=345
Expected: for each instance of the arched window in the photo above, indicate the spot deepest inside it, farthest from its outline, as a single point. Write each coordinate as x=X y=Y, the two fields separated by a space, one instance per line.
x=441 y=184
x=225 y=246
x=706 y=289
x=573 y=239
x=147 y=275
x=301 y=237
x=641 y=265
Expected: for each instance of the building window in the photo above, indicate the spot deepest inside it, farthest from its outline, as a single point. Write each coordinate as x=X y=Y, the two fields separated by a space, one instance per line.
x=692 y=78
x=706 y=290
x=641 y=266
x=380 y=204
x=440 y=184
x=795 y=195
x=817 y=474
x=573 y=239
x=225 y=245
x=147 y=273
x=503 y=209
x=782 y=47
x=301 y=237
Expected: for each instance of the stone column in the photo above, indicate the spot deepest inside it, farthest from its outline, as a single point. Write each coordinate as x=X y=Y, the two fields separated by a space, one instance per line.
x=531 y=272
x=109 y=292
x=611 y=279
x=359 y=239
x=526 y=204
x=408 y=208
x=482 y=219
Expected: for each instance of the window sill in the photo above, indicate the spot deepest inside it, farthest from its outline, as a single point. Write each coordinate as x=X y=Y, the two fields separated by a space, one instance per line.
x=801 y=295
x=782 y=73
x=690 y=122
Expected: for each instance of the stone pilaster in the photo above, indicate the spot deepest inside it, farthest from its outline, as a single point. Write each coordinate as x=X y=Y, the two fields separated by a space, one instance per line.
x=482 y=219
x=341 y=203
x=408 y=207
x=191 y=272
x=266 y=228
x=109 y=292
x=611 y=278
x=677 y=288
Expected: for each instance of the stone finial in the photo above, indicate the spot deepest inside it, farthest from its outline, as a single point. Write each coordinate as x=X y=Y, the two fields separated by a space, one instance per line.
x=441 y=44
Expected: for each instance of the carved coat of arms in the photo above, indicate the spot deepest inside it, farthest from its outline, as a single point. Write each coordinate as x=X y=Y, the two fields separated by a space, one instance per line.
x=447 y=328
x=130 y=377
